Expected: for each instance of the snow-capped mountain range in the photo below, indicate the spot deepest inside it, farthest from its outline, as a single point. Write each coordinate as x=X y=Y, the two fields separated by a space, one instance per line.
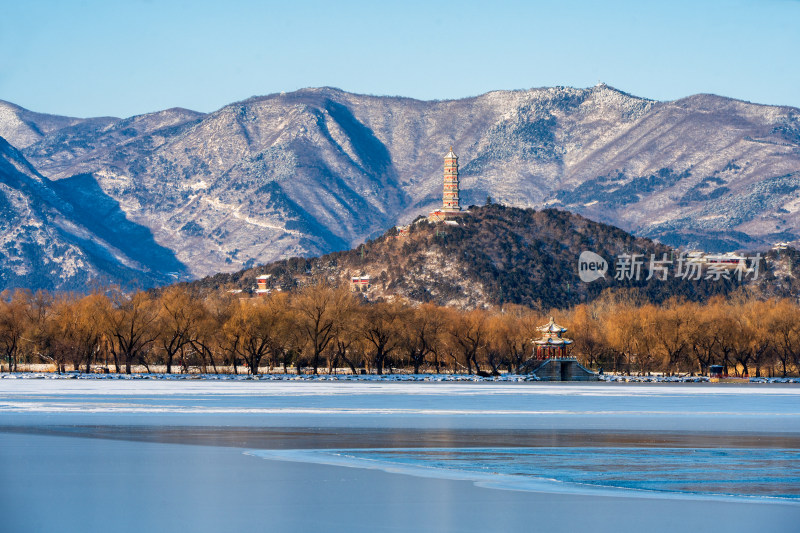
x=180 y=194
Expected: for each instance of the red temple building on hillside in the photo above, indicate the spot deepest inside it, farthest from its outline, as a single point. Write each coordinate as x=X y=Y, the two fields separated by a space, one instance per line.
x=360 y=283
x=262 y=285
x=451 y=204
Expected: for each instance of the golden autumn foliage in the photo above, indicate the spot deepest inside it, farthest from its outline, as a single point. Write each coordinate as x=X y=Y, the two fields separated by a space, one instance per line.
x=326 y=329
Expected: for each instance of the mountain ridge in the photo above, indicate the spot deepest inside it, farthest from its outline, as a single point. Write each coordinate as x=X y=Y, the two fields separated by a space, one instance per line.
x=320 y=169
x=494 y=255
x=45 y=242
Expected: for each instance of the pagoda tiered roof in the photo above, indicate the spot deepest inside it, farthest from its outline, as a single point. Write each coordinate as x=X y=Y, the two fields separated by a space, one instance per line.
x=552 y=327
x=551 y=335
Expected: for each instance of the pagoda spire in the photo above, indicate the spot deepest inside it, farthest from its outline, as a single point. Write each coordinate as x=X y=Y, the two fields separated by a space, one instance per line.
x=450 y=200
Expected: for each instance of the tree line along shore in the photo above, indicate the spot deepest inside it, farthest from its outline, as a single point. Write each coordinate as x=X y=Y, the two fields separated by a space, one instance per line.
x=320 y=328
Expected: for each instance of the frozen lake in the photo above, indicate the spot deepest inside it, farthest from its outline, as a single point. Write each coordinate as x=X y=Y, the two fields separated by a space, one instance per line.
x=300 y=456
x=721 y=472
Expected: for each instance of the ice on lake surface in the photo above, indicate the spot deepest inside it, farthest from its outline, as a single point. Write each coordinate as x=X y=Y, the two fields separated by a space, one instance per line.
x=180 y=456
x=747 y=472
x=780 y=403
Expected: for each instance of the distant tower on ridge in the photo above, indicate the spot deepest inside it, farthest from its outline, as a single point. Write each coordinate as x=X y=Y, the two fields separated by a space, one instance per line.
x=450 y=201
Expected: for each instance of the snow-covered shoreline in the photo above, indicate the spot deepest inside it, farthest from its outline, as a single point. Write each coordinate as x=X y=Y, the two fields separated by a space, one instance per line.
x=751 y=408
x=504 y=378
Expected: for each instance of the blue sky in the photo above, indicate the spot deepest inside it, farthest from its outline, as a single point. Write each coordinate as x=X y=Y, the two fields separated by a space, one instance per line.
x=91 y=58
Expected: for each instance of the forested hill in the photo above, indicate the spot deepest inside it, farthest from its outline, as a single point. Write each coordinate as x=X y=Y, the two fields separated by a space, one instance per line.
x=318 y=170
x=490 y=255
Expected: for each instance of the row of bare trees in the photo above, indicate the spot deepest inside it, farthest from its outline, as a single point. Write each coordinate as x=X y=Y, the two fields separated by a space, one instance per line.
x=744 y=334
x=320 y=328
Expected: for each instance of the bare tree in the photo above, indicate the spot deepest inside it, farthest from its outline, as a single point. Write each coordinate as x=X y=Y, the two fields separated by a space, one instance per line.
x=703 y=335
x=468 y=332
x=380 y=329
x=511 y=332
x=259 y=323
x=77 y=328
x=208 y=335
x=586 y=330
x=669 y=331
x=315 y=308
x=13 y=323
x=346 y=336
x=178 y=317
x=420 y=332
x=131 y=326
x=785 y=328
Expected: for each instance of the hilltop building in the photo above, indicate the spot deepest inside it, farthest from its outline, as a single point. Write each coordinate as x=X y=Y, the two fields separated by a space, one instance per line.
x=262 y=285
x=451 y=203
x=360 y=283
x=402 y=231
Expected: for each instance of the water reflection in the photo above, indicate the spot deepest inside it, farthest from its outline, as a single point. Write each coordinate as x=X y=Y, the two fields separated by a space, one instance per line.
x=388 y=437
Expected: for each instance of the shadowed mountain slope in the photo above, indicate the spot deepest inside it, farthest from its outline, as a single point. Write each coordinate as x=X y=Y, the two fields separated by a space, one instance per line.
x=493 y=255
x=318 y=170
x=50 y=239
